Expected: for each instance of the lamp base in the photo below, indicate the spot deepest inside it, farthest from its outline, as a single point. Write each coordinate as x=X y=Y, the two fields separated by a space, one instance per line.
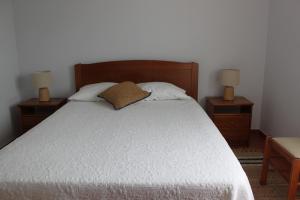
x=228 y=93
x=44 y=94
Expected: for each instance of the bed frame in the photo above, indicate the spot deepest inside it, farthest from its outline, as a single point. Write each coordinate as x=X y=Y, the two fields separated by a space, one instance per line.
x=184 y=75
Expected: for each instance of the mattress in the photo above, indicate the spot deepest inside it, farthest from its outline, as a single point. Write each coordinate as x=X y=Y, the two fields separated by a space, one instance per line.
x=149 y=150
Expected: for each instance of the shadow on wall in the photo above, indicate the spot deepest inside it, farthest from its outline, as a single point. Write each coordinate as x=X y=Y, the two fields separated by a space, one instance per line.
x=57 y=87
x=13 y=130
x=12 y=125
x=15 y=119
x=24 y=84
x=214 y=77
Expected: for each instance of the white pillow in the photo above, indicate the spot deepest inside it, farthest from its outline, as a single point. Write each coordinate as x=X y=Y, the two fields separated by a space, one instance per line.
x=163 y=91
x=90 y=92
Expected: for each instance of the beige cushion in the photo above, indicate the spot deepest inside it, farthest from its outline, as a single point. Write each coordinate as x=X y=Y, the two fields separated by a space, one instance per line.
x=124 y=94
x=291 y=144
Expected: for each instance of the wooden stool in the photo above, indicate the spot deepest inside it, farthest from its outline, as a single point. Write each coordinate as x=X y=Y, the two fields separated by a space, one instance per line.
x=283 y=153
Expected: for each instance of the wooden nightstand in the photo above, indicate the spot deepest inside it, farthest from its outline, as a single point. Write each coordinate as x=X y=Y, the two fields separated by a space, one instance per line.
x=233 y=118
x=33 y=111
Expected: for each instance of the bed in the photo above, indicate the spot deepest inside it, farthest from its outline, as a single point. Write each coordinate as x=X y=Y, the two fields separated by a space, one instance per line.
x=149 y=150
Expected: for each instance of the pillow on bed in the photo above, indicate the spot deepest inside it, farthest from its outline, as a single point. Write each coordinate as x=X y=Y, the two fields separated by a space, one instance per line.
x=124 y=94
x=90 y=92
x=163 y=91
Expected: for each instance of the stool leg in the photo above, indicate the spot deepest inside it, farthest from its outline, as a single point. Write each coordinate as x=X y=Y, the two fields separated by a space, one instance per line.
x=294 y=179
x=265 y=167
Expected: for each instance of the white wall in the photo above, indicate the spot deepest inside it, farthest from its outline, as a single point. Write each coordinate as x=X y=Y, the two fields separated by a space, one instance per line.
x=282 y=88
x=216 y=33
x=9 y=72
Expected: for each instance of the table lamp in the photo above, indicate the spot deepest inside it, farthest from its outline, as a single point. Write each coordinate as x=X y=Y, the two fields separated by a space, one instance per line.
x=42 y=81
x=229 y=79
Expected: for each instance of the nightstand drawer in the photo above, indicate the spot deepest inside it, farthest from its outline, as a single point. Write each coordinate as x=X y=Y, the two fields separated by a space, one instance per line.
x=232 y=118
x=30 y=121
x=232 y=122
x=33 y=111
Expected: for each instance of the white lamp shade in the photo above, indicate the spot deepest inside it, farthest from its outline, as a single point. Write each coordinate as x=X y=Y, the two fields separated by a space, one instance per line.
x=230 y=77
x=42 y=79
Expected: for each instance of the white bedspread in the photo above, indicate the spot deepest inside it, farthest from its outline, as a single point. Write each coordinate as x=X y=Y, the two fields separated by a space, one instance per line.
x=149 y=150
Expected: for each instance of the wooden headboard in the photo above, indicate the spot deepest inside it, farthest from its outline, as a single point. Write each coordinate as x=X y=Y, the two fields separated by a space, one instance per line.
x=184 y=75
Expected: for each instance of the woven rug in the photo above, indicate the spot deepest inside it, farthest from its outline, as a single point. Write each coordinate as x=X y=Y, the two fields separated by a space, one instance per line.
x=248 y=155
x=276 y=188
